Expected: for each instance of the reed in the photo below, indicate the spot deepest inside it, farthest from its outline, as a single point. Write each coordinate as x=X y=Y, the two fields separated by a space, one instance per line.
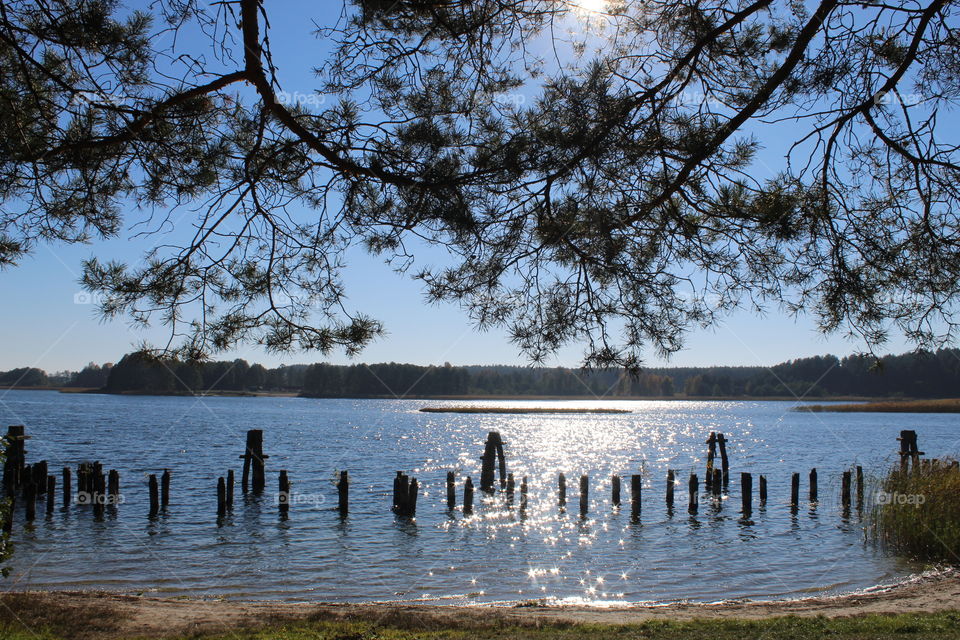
x=944 y=405
x=916 y=513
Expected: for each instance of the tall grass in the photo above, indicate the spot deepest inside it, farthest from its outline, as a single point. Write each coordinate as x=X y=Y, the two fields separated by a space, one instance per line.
x=917 y=513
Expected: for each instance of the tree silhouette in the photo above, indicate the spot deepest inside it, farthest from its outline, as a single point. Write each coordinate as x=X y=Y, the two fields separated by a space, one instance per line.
x=613 y=198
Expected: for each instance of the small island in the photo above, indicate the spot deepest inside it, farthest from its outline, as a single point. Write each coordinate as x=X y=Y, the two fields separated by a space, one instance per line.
x=516 y=410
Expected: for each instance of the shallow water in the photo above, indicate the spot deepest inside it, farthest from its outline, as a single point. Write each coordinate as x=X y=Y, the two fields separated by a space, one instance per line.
x=496 y=555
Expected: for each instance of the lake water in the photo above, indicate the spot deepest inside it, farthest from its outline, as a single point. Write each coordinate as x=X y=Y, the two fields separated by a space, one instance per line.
x=497 y=555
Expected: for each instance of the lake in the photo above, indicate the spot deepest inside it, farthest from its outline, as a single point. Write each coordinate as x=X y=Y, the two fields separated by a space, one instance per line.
x=498 y=554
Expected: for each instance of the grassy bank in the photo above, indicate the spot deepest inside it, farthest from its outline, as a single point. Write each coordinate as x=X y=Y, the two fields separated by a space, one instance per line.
x=917 y=514
x=943 y=405
x=410 y=627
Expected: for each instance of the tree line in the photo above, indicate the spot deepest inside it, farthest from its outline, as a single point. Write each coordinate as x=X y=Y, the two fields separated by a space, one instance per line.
x=921 y=374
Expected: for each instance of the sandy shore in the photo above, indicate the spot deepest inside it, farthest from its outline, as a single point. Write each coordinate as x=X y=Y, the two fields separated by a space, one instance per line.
x=107 y=615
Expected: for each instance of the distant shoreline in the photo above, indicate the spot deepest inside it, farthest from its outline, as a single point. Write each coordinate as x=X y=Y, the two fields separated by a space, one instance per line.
x=581 y=398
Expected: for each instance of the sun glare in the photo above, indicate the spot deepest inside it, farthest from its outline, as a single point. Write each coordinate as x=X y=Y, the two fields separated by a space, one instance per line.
x=589 y=7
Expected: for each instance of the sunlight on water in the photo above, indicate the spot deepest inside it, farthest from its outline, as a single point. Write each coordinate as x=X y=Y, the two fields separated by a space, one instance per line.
x=500 y=553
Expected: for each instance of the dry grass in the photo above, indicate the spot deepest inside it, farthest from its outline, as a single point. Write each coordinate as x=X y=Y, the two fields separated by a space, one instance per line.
x=943 y=405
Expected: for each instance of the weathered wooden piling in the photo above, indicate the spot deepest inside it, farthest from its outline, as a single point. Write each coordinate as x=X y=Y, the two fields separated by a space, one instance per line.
x=492 y=452
x=584 y=495
x=14 y=459
x=99 y=493
x=154 y=495
x=403 y=494
x=636 y=495
x=40 y=478
x=845 y=490
x=717 y=482
x=451 y=490
x=523 y=494
x=693 y=487
x=231 y=480
x=763 y=490
x=909 y=450
x=711 y=455
x=253 y=462
x=746 y=494
x=343 y=493
x=165 y=489
x=813 y=485
x=51 y=492
x=113 y=486
x=511 y=488
x=795 y=491
x=468 y=496
x=615 y=490
x=396 y=490
x=283 y=495
x=221 y=497
x=670 y=485
x=724 y=461
x=67 y=490
x=562 y=491
x=411 y=511
x=29 y=499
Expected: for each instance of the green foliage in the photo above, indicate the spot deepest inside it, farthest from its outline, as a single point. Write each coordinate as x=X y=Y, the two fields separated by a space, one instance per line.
x=6 y=545
x=917 y=514
x=610 y=194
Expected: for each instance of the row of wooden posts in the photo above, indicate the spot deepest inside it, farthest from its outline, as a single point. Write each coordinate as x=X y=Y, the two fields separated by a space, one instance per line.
x=100 y=490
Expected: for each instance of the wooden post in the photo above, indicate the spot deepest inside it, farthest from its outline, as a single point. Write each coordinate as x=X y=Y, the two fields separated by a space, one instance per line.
x=636 y=495
x=15 y=459
x=845 y=490
x=67 y=494
x=694 y=489
x=396 y=490
x=468 y=496
x=746 y=494
x=29 y=498
x=343 y=493
x=404 y=494
x=221 y=497
x=451 y=490
x=283 y=497
x=813 y=485
x=154 y=495
x=231 y=480
x=523 y=494
x=584 y=495
x=253 y=462
x=412 y=499
x=511 y=487
x=51 y=491
x=562 y=492
x=859 y=487
x=40 y=478
x=492 y=452
x=717 y=482
x=794 y=491
x=113 y=486
x=724 y=462
x=711 y=454
x=671 y=481
x=100 y=493
x=763 y=490
x=165 y=489
x=615 y=490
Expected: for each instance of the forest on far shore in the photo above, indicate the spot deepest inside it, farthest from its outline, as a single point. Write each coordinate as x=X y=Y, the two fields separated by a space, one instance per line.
x=921 y=374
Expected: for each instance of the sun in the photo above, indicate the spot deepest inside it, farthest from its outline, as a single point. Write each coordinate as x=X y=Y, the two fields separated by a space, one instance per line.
x=589 y=6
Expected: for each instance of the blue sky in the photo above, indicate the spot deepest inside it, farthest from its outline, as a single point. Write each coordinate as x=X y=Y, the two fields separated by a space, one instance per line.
x=49 y=323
